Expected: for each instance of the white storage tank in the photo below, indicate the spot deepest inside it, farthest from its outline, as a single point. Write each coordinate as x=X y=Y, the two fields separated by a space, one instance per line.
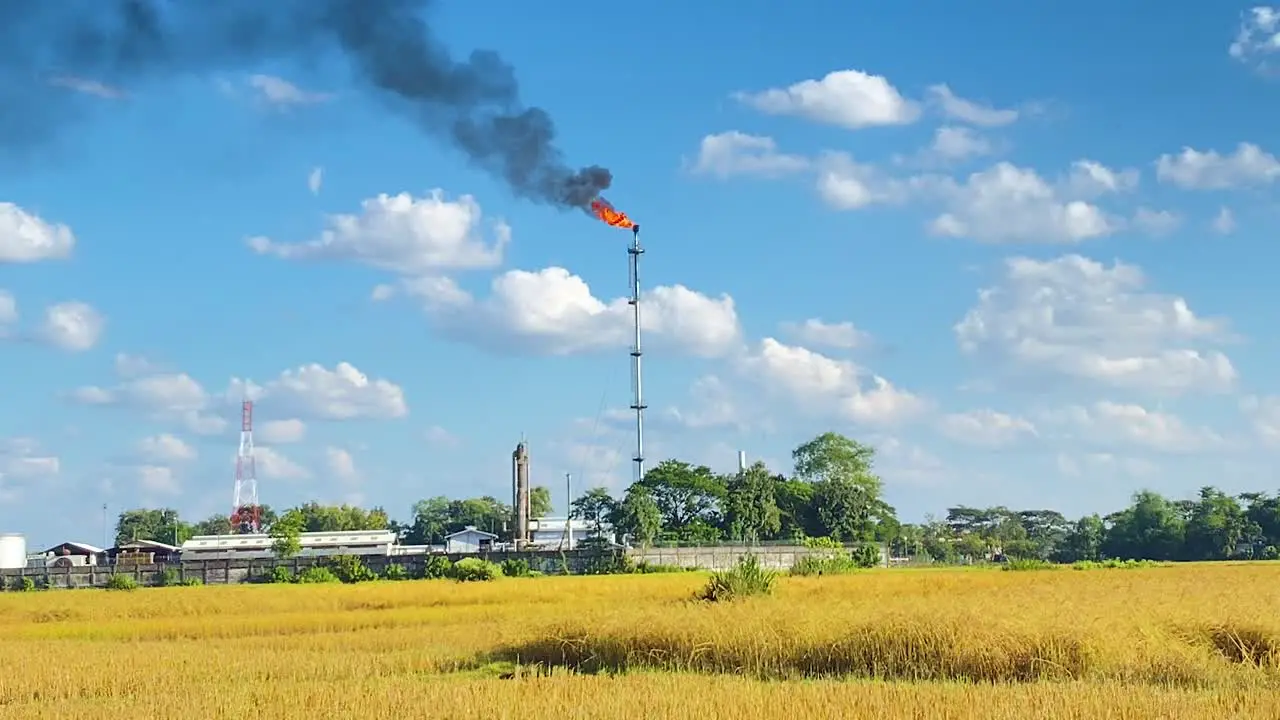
x=13 y=551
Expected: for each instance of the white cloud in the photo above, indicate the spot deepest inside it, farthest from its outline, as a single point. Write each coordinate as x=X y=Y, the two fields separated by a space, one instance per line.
x=270 y=464
x=314 y=391
x=402 y=234
x=341 y=465
x=440 y=437
x=845 y=184
x=986 y=428
x=73 y=326
x=315 y=179
x=164 y=396
x=1088 y=464
x=1258 y=37
x=958 y=143
x=158 y=479
x=164 y=449
x=22 y=459
x=905 y=463
x=26 y=238
x=1082 y=319
x=815 y=331
x=8 y=310
x=816 y=383
x=1264 y=413
x=1225 y=221
x=957 y=108
x=310 y=391
x=735 y=153
x=847 y=98
x=711 y=405
x=282 y=93
x=595 y=464
x=1006 y=203
x=1091 y=179
x=1156 y=222
x=86 y=86
x=128 y=366
x=1133 y=426
x=280 y=432
x=553 y=312
x=1193 y=169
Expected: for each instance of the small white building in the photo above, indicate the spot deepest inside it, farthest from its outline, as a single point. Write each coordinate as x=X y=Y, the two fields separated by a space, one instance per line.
x=314 y=544
x=550 y=532
x=469 y=540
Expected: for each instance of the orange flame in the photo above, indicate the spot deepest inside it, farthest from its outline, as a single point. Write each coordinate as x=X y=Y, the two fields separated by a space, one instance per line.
x=604 y=210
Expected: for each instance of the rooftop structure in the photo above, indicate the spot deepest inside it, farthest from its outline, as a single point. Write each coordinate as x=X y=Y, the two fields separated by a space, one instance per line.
x=314 y=544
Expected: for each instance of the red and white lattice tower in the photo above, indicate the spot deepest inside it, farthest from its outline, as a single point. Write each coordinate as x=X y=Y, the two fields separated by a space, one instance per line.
x=244 y=508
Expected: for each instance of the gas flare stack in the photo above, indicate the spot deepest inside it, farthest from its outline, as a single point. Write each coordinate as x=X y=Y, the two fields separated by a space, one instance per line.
x=245 y=510
x=607 y=214
x=520 y=494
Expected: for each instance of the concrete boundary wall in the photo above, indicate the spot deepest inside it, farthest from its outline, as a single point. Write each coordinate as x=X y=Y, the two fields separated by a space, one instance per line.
x=221 y=572
x=722 y=557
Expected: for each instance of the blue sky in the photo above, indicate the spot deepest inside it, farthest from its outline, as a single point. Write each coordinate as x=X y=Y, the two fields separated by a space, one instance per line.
x=1025 y=253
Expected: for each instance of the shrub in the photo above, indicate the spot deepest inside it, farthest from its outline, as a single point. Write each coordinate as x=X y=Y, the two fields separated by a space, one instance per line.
x=25 y=584
x=821 y=543
x=122 y=582
x=317 y=574
x=350 y=569
x=170 y=578
x=824 y=565
x=475 y=569
x=1115 y=563
x=515 y=567
x=192 y=582
x=395 y=571
x=745 y=579
x=280 y=574
x=437 y=566
x=1028 y=564
x=865 y=555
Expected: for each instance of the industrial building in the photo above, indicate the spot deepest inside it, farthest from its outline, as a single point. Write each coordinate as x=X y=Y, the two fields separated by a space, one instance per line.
x=74 y=554
x=469 y=540
x=560 y=532
x=314 y=544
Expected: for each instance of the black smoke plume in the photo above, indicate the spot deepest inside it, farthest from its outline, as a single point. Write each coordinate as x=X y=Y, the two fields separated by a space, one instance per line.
x=475 y=104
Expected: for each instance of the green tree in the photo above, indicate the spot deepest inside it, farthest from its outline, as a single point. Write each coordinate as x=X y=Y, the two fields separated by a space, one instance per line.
x=750 y=505
x=335 y=518
x=595 y=507
x=429 y=524
x=1216 y=526
x=1083 y=541
x=847 y=494
x=286 y=534
x=684 y=493
x=795 y=508
x=638 y=516
x=1152 y=528
x=161 y=525
x=213 y=525
x=539 y=502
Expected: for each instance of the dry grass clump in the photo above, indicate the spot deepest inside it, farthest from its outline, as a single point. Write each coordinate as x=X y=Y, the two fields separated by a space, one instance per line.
x=889 y=648
x=1194 y=641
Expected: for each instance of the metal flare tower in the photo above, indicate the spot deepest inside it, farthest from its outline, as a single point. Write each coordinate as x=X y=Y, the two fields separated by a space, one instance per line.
x=637 y=385
x=245 y=510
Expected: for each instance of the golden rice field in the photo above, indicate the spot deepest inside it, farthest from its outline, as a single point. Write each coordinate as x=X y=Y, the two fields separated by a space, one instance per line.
x=1190 y=641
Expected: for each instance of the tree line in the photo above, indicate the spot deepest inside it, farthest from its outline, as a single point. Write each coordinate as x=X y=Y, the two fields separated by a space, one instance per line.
x=832 y=492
